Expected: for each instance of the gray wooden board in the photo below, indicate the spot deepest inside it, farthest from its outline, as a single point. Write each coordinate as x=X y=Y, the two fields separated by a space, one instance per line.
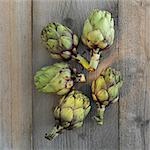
x=90 y=136
x=15 y=75
x=134 y=52
x=126 y=125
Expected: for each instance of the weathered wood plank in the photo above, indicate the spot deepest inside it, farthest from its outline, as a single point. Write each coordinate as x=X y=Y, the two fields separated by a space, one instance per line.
x=134 y=51
x=15 y=75
x=91 y=136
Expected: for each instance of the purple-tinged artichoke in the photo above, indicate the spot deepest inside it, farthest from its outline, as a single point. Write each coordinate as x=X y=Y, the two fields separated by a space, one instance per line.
x=57 y=78
x=105 y=91
x=62 y=43
x=70 y=113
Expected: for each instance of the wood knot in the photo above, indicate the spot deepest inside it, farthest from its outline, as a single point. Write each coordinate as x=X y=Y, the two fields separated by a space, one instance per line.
x=141 y=3
x=82 y=136
x=69 y=22
x=142 y=123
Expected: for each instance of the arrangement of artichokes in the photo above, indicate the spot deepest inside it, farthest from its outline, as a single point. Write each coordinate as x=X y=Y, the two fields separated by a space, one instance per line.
x=70 y=113
x=105 y=91
x=98 y=34
x=57 y=78
x=60 y=78
x=61 y=42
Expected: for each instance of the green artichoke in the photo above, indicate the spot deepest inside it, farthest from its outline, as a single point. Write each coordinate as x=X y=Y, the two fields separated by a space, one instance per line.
x=61 y=42
x=105 y=91
x=70 y=113
x=58 y=78
x=98 y=34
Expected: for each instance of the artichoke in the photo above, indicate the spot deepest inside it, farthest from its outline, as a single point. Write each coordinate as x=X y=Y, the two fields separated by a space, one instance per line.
x=58 y=78
x=105 y=91
x=70 y=113
x=61 y=42
x=98 y=34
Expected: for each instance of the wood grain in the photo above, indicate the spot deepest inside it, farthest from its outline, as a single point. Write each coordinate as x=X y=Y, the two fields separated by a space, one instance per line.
x=71 y=13
x=134 y=49
x=127 y=123
x=15 y=75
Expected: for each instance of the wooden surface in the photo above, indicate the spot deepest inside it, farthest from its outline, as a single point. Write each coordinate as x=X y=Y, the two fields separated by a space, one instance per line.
x=134 y=51
x=25 y=114
x=15 y=75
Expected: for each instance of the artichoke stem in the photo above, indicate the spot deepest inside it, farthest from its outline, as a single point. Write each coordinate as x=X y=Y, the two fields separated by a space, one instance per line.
x=53 y=132
x=82 y=61
x=80 y=78
x=100 y=115
x=95 y=57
